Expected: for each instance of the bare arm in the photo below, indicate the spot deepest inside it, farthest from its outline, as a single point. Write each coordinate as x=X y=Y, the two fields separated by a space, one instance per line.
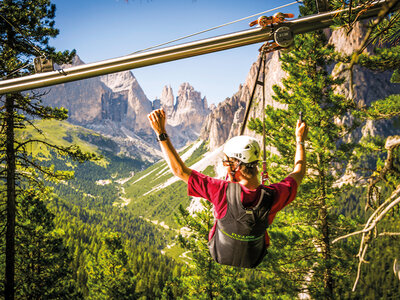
x=300 y=157
x=157 y=120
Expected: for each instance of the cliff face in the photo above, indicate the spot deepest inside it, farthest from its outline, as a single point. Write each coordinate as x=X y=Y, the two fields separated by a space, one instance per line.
x=190 y=109
x=115 y=105
x=137 y=104
x=81 y=98
x=225 y=120
x=116 y=97
x=186 y=115
x=167 y=100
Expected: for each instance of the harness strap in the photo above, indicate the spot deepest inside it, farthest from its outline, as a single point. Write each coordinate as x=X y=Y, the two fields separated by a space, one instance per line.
x=264 y=173
x=261 y=59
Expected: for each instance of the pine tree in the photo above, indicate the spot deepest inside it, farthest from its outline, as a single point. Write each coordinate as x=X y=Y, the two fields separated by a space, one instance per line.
x=377 y=157
x=43 y=260
x=109 y=274
x=25 y=29
x=302 y=236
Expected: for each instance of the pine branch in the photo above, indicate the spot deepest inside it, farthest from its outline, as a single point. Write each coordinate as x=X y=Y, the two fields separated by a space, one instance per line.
x=376 y=216
x=34 y=126
x=391 y=144
x=44 y=170
x=394 y=200
x=367 y=41
x=3 y=230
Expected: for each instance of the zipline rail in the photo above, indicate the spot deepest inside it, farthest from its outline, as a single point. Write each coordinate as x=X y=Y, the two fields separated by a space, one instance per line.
x=210 y=45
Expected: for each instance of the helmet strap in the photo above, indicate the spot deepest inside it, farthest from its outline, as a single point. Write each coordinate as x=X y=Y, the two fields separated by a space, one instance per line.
x=233 y=172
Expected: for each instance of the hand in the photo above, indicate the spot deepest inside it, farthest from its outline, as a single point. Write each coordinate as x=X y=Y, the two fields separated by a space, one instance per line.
x=157 y=121
x=301 y=131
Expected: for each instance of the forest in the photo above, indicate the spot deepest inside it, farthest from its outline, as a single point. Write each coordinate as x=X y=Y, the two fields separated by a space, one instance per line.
x=65 y=236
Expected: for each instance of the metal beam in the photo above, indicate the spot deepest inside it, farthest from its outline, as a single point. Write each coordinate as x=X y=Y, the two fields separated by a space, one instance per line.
x=136 y=60
x=133 y=61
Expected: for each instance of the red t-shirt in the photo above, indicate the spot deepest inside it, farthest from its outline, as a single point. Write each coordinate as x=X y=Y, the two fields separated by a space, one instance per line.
x=214 y=190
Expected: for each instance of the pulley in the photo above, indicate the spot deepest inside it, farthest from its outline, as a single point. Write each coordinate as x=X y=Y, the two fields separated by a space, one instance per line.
x=283 y=36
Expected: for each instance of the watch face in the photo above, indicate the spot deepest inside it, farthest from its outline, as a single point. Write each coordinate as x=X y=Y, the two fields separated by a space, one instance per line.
x=162 y=137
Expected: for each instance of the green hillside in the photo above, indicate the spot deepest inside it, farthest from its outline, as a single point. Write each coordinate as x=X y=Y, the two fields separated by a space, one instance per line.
x=60 y=133
x=85 y=212
x=151 y=199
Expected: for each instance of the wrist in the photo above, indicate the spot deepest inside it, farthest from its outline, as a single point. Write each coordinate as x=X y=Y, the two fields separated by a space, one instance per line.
x=163 y=136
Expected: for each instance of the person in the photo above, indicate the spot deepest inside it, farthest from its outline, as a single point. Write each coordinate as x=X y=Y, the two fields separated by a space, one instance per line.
x=243 y=207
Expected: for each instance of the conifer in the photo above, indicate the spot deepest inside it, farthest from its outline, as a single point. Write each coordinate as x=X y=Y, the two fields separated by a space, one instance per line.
x=25 y=30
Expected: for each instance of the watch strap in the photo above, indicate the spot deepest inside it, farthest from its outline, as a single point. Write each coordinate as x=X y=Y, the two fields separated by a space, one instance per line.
x=162 y=137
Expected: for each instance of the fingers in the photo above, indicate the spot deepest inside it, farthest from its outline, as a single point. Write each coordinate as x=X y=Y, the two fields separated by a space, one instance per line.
x=301 y=129
x=152 y=117
x=157 y=120
x=156 y=115
x=301 y=124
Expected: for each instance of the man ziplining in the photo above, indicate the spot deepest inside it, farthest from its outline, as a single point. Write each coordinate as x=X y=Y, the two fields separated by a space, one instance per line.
x=243 y=207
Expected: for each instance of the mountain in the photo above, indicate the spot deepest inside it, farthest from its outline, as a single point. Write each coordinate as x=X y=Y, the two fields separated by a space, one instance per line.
x=226 y=119
x=185 y=114
x=116 y=106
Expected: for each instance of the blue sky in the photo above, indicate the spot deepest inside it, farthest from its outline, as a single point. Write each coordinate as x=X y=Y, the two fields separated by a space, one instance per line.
x=103 y=29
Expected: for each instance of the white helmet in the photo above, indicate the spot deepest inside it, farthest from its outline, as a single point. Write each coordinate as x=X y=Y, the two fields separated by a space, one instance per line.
x=242 y=147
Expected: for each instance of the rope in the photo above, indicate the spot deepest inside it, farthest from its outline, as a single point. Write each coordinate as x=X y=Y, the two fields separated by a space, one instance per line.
x=264 y=173
x=261 y=65
x=217 y=27
x=249 y=104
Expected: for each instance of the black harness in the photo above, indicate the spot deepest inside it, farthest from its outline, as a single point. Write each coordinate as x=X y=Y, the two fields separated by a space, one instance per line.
x=239 y=238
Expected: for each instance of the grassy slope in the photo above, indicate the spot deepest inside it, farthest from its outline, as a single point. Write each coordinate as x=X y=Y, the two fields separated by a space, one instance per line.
x=160 y=204
x=60 y=133
x=85 y=184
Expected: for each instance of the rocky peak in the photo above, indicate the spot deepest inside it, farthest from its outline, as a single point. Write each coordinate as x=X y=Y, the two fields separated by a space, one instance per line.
x=118 y=82
x=190 y=108
x=91 y=102
x=167 y=100
x=224 y=121
x=188 y=97
x=76 y=61
x=116 y=105
x=127 y=89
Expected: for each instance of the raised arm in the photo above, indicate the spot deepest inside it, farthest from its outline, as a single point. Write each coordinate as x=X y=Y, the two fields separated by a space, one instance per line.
x=300 y=157
x=157 y=120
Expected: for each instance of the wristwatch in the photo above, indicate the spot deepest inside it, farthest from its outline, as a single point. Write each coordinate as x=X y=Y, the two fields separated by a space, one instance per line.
x=162 y=137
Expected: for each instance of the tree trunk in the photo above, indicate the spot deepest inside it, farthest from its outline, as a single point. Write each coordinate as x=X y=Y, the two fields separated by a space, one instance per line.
x=326 y=248
x=326 y=252
x=11 y=207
